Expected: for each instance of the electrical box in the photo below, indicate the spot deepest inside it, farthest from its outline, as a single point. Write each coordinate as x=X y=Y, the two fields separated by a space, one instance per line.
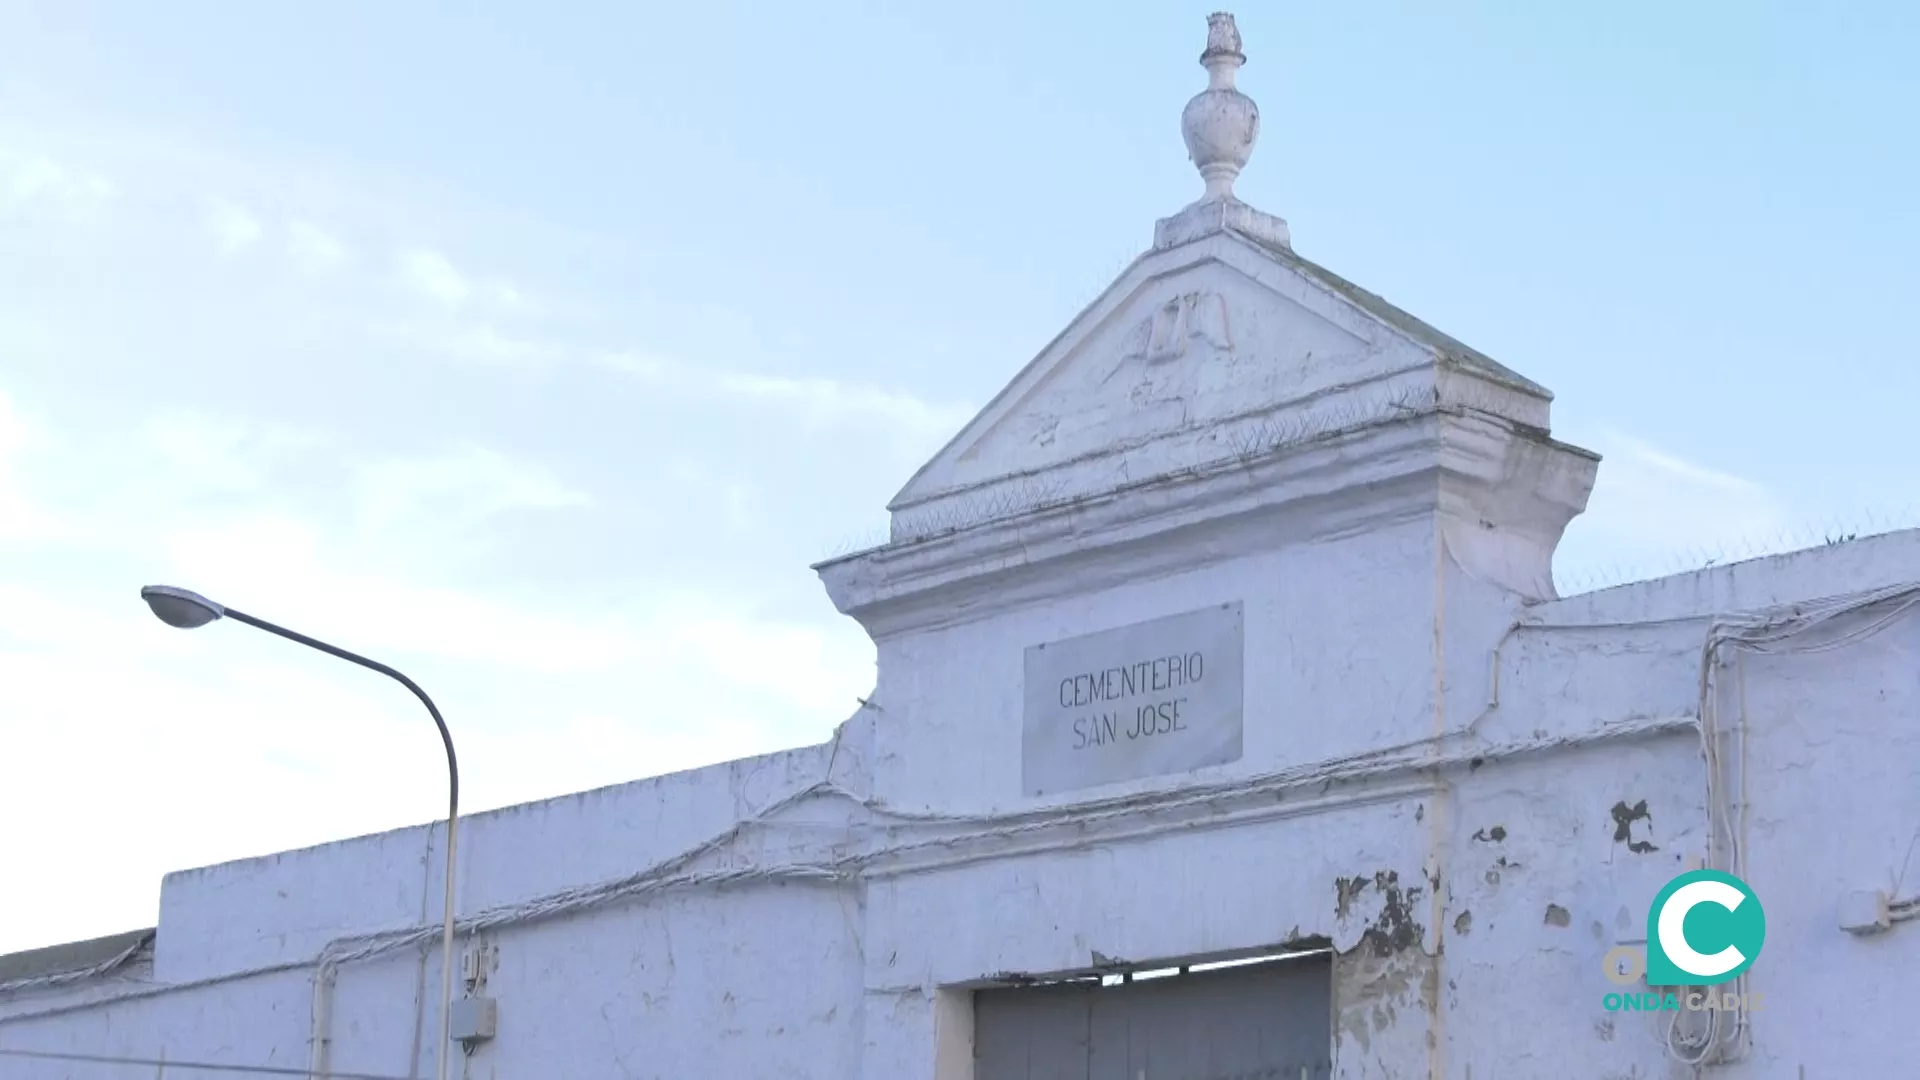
x=477 y=963
x=1865 y=912
x=474 y=1018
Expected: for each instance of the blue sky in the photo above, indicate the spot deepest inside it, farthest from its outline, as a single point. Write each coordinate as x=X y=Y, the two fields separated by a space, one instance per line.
x=539 y=350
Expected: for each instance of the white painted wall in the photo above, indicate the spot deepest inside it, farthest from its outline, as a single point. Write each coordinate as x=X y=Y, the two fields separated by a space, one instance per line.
x=1434 y=751
x=852 y=978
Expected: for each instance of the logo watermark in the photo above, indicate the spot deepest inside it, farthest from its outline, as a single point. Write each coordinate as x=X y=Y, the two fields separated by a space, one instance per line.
x=1703 y=930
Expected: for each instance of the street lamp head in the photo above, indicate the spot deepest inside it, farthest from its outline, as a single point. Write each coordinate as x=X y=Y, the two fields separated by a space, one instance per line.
x=179 y=607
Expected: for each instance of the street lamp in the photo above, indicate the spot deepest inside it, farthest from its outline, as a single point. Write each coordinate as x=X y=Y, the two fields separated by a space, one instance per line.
x=189 y=610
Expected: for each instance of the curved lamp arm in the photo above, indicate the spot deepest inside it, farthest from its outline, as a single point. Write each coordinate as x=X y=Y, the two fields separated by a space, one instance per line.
x=188 y=610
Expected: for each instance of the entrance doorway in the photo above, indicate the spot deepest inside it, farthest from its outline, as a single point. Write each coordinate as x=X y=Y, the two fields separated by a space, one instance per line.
x=1266 y=1020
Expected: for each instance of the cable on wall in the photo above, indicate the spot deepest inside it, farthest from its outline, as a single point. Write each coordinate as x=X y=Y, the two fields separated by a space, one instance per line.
x=672 y=873
x=1796 y=629
x=1779 y=632
x=162 y=1064
x=878 y=842
x=99 y=970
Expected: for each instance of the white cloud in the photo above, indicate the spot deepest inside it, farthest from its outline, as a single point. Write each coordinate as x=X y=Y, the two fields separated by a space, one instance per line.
x=827 y=401
x=640 y=365
x=209 y=501
x=1646 y=456
x=735 y=497
x=312 y=249
x=476 y=343
x=537 y=685
x=256 y=744
x=259 y=745
x=511 y=299
x=1654 y=512
x=814 y=401
x=431 y=275
x=717 y=651
x=234 y=229
x=217 y=456
x=466 y=485
x=32 y=182
x=1668 y=499
x=22 y=520
x=738 y=510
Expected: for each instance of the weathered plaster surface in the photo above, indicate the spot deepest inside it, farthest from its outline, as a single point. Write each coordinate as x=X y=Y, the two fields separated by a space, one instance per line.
x=1468 y=902
x=1467 y=789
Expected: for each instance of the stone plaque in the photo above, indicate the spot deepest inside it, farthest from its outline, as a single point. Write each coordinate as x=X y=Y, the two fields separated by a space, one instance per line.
x=1156 y=697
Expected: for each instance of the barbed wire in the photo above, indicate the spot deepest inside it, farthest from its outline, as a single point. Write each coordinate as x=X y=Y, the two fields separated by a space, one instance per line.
x=1693 y=558
x=1583 y=576
x=1250 y=437
x=1762 y=630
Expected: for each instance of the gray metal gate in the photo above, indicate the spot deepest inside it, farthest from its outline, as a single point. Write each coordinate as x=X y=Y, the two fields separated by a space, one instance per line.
x=1267 y=1021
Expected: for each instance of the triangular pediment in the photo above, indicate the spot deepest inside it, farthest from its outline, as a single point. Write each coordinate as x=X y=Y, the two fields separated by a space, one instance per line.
x=1188 y=355
x=1223 y=399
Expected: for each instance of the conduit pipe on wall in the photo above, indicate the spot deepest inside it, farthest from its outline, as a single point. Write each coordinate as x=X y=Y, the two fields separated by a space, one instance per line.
x=673 y=874
x=1775 y=631
x=1770 y=631
x=1767 y=631
x=105 y=967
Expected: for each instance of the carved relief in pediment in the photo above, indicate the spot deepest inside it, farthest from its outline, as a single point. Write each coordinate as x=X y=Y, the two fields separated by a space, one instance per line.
x=1195 y=320
x=1181 y=352
x=1163 y=354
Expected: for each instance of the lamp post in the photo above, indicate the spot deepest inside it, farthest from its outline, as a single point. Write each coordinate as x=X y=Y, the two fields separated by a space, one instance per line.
x=189 y=610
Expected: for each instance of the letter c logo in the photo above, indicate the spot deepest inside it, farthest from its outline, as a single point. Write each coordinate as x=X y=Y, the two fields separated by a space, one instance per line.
x=1673 y=934
x=1734 y=933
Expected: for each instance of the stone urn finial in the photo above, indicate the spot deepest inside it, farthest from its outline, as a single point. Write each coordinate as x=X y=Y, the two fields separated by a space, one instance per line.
x=1220 y=124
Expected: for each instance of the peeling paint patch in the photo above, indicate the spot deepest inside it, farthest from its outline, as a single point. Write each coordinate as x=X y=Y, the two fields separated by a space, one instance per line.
x=1624 y=817
x=1393 y=929
x=1558 y=916
x=1370 y=992
x=1345 y=892
x=1463 y=923
x=1496 y=869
